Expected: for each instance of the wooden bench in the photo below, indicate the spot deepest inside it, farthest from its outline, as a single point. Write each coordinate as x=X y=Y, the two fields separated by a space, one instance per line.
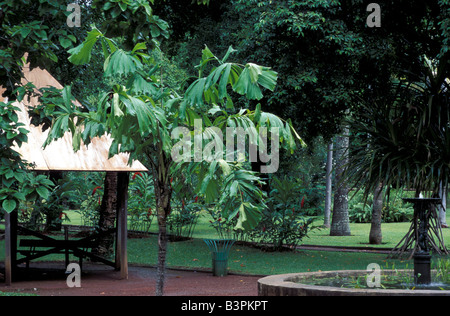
x=37 y=248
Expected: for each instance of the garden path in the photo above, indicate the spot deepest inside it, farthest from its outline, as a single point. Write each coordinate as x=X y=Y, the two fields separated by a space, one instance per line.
x=97 y=280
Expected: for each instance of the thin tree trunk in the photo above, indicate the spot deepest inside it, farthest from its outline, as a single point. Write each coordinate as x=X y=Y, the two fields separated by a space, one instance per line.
x=329 y=188
x=443 y=208
x=162 y=253
x=163 y=193
x=375 y=235
x=340 y=225
x=107 y=218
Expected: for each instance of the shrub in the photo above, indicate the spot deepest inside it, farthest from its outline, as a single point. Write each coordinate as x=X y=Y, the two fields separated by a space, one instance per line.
x=141 y=202
x=225 y=226
x=281 y=228
x=90 y=208
x=182 y=220
x=313 y=198
x=360 y=213
x=50 y=210
x=395 y=210
x=282 y=225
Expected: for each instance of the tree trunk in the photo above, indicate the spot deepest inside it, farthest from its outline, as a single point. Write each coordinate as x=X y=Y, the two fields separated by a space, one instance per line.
x=375 y=235
x=443 y=208
x=340 y=225
x=163 y=194
x=329 y=188
x=107 y=215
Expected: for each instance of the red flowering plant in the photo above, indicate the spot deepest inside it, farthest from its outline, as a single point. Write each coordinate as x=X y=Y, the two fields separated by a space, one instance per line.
x=225 y=227
x=313 y=197
x=282 y=225
x=186 y=209
x=141 y=202
x=90 y=206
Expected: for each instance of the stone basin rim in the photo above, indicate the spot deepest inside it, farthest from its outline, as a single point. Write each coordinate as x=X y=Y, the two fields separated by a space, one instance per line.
x=284 y=285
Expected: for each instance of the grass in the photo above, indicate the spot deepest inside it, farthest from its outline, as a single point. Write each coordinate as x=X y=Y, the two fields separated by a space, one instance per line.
x=194 y=254
x=392 y=232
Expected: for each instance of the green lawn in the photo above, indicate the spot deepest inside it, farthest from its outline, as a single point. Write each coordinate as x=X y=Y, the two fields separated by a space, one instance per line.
x=392 y=232
x=194 y=254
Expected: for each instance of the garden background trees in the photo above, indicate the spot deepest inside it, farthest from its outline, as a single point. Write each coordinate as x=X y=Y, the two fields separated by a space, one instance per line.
x=327 y=57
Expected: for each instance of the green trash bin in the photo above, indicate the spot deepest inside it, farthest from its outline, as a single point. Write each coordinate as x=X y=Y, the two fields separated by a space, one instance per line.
x=220 y=250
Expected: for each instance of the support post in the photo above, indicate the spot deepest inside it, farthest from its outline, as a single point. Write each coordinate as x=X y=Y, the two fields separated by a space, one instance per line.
x=122 y=229
x=10 y=245
x=8 y=257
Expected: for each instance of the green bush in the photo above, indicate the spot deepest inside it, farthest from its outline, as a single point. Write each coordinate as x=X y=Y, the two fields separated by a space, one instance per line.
x=313 y=198
x=141 y=202
x=397 y=211
x=360 y=213
x=394 y=211
x=281 y=229
x=282 y=224
x=182 y=220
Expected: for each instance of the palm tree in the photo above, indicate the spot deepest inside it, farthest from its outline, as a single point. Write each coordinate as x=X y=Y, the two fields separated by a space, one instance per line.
x=142 y=116
x=406 y=134
x=340 y=225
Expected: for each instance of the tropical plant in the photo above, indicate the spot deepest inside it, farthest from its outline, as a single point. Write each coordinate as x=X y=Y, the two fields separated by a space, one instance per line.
x=141 y=202
x=17 y=184
x=282 y=225
x=90 y=207
x=141 y=115
x=52 y=208
x=182 y=220
x=281 y=229
x=225 y=227
x=406 y=134
x=442 y=266
x=394 y=210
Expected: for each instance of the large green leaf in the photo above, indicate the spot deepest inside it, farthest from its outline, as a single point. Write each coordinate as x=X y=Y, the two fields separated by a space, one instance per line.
x=195 y=92
x=81 y=54
x=9 y=205
x=252 y=77
x=249 y=216
x=121 y=63
x=43 y=192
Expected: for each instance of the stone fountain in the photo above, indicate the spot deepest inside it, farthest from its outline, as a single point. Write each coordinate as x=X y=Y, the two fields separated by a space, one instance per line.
x=424 y=225
x=424 y=209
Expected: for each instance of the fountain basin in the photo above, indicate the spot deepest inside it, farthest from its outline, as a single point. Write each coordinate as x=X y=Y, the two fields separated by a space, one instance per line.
x=291 y=285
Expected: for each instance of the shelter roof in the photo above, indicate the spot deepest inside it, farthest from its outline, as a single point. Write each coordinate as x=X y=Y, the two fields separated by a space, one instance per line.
x=59 y=155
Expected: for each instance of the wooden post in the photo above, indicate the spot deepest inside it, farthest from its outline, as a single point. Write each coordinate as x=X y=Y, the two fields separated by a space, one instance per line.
x=10 y=245
x=122 y=229
x=8 y=258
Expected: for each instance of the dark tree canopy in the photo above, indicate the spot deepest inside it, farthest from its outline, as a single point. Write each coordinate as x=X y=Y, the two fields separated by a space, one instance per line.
x=324 y=50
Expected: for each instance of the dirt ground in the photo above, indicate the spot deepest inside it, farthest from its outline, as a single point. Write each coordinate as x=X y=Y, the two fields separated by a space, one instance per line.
x=49 y=279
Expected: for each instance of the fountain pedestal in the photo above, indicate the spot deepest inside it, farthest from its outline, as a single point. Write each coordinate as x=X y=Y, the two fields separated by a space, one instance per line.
x=422 y=268
x=423 y=210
